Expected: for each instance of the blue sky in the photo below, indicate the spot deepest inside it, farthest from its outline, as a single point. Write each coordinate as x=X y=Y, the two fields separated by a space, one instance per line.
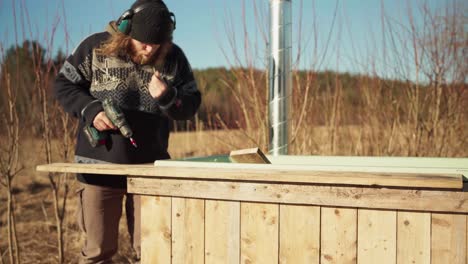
x=344 y=42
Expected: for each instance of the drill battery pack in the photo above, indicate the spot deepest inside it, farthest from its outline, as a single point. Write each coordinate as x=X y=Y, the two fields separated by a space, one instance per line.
x=94 y=136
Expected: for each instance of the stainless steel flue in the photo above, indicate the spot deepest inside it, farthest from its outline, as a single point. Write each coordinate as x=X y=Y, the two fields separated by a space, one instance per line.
x=280 y=81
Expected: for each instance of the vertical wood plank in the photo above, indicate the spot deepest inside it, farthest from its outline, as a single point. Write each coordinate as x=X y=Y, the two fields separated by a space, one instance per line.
x=338 y=235
x=376 y=236
x=448 y=239
x=414 y=238
x=259 y=233
x=222 y=232
x=155 y=229
x=188 y=231
x=299 y=234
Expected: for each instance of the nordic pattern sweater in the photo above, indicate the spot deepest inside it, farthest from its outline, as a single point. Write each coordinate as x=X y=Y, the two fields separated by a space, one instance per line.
x=87 y=78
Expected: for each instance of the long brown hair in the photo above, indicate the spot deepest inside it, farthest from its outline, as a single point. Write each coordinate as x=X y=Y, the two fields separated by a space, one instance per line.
x=119 y=45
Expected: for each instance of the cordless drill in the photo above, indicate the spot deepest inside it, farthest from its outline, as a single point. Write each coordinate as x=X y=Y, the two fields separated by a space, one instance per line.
x=116 y=116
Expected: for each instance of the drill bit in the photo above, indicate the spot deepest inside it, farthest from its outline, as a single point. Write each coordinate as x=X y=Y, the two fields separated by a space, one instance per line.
x=133 y=142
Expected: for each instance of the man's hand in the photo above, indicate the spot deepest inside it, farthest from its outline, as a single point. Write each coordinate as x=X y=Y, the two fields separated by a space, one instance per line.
x=157 y=86
x=101 y=122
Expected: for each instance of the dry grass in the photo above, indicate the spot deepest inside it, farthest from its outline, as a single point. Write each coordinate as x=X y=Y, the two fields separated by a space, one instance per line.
x=205 y=143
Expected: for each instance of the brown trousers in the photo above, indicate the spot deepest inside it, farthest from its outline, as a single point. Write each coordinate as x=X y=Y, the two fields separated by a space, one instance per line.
x=99 y=212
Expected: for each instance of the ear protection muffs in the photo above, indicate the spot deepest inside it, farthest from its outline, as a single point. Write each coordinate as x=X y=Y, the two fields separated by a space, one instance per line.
x=124 y=23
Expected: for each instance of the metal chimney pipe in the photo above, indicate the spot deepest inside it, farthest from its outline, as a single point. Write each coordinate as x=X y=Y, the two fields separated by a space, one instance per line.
x=280 y=81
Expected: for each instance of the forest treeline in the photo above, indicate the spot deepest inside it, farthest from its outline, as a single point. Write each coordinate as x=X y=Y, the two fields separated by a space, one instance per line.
x=383 y=111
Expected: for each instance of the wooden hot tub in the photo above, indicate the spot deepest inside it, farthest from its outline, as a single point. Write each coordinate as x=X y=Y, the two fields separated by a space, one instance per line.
x=299 y=209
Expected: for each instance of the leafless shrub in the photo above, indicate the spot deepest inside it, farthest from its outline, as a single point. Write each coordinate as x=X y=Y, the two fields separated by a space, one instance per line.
x=9 y=164
x=44 y=115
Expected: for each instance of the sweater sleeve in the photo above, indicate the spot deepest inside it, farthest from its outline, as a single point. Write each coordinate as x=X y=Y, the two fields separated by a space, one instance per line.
x=182 y=100
x=72 y=83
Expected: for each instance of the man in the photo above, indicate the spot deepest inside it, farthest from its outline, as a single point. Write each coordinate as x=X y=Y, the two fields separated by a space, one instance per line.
x=135 y=64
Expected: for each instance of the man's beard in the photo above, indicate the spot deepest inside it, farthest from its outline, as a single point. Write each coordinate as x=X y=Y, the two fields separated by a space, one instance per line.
x=143 y=59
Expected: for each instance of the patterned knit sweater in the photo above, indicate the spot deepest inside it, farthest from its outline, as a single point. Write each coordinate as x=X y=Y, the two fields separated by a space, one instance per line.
x=87 y=78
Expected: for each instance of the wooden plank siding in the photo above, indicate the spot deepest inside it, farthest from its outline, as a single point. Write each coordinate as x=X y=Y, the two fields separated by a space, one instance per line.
x=414 y=238
x=376 y=236
x=448 y=241
x=156 y=242
x=259 y=233
x=211 y=231
x=188 y=234
x=222 y=232
x=338 y=235
x=299 y=234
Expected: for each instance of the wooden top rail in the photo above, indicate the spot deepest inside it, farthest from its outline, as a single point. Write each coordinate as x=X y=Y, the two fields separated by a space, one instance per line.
x=109 y=169
x=270 y=173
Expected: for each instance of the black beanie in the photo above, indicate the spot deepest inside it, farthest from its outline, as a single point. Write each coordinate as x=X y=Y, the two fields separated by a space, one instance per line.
x=153 y=24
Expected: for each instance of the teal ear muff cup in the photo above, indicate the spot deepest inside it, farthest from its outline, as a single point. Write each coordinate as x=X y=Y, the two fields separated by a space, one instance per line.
x=124 y=23
x=124 y=26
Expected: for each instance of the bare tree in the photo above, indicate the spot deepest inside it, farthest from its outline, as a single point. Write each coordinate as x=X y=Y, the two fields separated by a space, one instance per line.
x=42 y=82
x=50 y=121
x=9 y=165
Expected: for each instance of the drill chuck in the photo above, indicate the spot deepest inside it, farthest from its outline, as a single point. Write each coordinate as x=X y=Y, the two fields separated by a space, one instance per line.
x=126 y=131
x=117 y=117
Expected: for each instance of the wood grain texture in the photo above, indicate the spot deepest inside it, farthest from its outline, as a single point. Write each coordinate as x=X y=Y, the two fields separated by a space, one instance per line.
x=156 y=229
x=253 y=155
x=358 y=197
x=299 y=234
x=376 y=236
x=414 y=238
x=188 y=231
x=109 y=169
x=448 y=243
x=222 y=232
x=265 y=173
x=259 y=233
x=338 y=236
